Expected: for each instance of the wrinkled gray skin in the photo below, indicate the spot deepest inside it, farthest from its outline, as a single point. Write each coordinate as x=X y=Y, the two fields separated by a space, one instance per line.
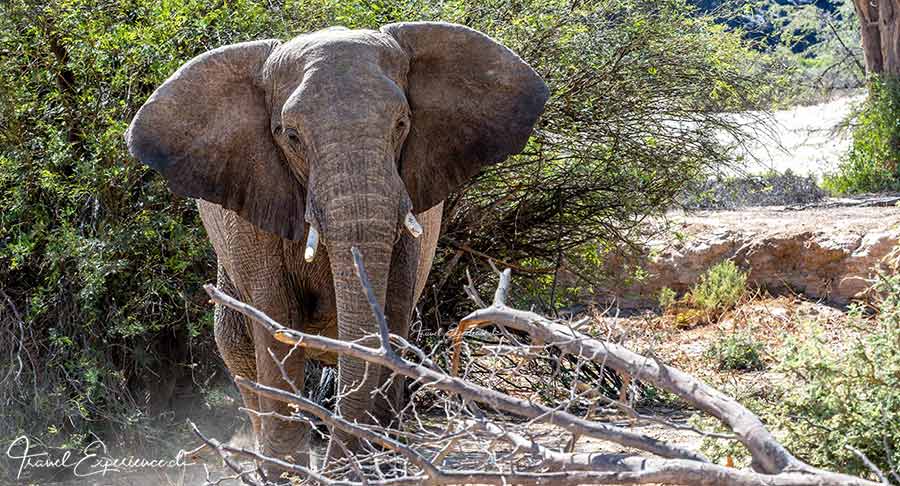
x=347 y=131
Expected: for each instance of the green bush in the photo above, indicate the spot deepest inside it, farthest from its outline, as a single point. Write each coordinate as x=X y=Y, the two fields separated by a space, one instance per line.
x=666 y=298
x=720 y=288
x=738 y=351
x=873 y=161
x=846 y=397
x=638 y=88
x=100 y=266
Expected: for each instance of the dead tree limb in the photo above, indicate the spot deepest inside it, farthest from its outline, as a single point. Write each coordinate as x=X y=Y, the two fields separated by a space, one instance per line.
x=773 y=464
x=457 y=386
x=769 y=456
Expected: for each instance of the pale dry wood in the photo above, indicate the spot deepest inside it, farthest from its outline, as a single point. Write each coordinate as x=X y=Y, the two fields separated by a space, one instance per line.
x=457 y=386
x=774 y=465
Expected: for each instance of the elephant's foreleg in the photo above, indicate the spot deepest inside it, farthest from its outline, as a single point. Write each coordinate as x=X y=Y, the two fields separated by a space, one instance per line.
x=283 y=439
x=236 y=345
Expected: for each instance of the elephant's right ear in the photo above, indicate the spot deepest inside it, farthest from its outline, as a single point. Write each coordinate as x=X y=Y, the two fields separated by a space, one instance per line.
x=207 y=130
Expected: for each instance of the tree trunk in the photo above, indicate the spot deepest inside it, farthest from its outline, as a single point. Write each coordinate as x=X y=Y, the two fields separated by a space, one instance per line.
x=867 y=10
x=889 y=23
x=880 y=29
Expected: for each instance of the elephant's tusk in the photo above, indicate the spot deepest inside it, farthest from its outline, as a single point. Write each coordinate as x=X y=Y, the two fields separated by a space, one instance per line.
x=312 y=242
x=415 y=229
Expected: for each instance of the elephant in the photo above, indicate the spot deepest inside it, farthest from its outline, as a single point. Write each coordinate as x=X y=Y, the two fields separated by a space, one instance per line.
x=296 y=151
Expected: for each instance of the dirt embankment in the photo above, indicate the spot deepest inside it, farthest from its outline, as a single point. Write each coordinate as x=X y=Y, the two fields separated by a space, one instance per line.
x=827 y=250
x=825 y=253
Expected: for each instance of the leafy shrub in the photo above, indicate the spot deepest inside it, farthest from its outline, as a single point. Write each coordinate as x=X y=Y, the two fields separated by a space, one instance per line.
x=666 y=298
x=873 y=162
x=100 y=266
x=630 y=122
x=720 y=288
x=847 y=397
x=738 y=351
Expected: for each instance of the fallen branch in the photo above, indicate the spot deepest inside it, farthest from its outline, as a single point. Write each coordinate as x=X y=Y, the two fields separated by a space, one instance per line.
x=769 y=456
x=457 y=386
x=420 y=465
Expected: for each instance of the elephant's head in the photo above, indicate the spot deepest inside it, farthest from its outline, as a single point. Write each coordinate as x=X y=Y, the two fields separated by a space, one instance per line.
x=346 y=130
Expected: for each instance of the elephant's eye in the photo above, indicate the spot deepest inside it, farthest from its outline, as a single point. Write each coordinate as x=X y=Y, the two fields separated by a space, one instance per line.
x=292 y=141
x=293 y=137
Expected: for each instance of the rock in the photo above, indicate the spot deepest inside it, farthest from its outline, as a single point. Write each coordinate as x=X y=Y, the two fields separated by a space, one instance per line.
x=779 y=313
x=814 y=253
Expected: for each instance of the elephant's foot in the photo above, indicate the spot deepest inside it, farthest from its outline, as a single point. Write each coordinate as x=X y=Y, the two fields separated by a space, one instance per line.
x=283 y=439
x=271 y=448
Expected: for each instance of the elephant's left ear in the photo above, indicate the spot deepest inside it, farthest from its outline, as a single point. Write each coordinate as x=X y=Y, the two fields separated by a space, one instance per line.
x=473 y=101
x=206 y=129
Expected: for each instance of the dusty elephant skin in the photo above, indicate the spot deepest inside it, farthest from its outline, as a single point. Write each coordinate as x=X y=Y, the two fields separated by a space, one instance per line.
x=338 y=135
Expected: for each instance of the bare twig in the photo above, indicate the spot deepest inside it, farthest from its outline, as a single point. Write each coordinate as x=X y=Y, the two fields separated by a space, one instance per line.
x=220 y=449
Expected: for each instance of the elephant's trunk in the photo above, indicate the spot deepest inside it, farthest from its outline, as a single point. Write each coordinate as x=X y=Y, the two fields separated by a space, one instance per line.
x=356 y=320
x=361 y=204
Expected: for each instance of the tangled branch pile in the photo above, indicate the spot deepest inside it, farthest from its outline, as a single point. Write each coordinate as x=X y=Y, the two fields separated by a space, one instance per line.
x=463 y=438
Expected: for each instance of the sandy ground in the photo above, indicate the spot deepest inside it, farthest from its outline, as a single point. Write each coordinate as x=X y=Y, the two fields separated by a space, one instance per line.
x=804 y=139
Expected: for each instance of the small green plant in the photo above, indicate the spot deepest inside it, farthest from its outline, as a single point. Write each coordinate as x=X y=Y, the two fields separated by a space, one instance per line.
x=720 y=288
x=873 y=162
x=666 y=298
x=738 y=351
x=217 y=397
x=651 y=396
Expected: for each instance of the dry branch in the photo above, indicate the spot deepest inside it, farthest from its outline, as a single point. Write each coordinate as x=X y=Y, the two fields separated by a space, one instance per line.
x=424 y=465
x=769 y=456
x=470 y=391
